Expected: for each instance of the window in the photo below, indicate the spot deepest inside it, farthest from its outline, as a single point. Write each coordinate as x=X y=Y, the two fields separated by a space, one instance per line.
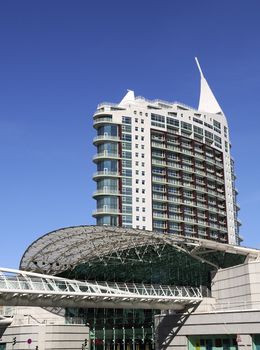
x=126 y=128
x=137 y=172
x=142 y=129
x=126 y=145
x=137 y=218
x=143 y=190
x=143 y=200
x=136 y=137
x=143 y=210
x=136 y=120
x=137 y=208
x=136 y=128
x=143 y=218
x=136 y=145
x=198 y=130
x=142 y=138
x=217 y=139
x=216 y=124
x=196 y=120
x=142 y=146
x=143 y=182
x=209 y=134
x=208 y=125
x=126 y=154
x=158 y=120
x=137 y=163
x=137 y=199
x=225 y=131
x=136 y=181
x=186 y=126
x=126 y=120
x=142 y=121
x=136 y=154
x=143 y=173
x=126 y=137
x=127 y=163
x=173 y=122
x=142 y=155
x=142 y=163
x=137 y=190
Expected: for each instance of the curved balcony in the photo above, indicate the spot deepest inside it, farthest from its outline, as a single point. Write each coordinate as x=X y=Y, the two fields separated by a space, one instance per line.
x=106 y=210
x=106 y=173
x=102 y=120
x=105 y=155
x=103 y=138
x=106 y=192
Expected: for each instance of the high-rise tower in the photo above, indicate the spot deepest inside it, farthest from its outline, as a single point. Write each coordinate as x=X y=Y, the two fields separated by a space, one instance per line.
x=167 y=167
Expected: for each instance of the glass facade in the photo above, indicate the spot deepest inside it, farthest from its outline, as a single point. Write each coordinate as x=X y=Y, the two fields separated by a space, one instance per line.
x=108 y=170
x=219 y=342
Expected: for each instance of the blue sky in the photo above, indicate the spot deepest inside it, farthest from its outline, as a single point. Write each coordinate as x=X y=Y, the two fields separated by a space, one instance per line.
x=59 y=59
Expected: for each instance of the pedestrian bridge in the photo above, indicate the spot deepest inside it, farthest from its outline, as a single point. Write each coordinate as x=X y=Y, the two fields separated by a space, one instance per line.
x=22 y=288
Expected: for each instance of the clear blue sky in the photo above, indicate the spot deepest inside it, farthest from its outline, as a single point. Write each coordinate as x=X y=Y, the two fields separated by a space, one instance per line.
x=59 y=59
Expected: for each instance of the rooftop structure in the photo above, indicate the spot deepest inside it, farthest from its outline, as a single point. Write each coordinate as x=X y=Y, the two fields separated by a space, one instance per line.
x=166 y=167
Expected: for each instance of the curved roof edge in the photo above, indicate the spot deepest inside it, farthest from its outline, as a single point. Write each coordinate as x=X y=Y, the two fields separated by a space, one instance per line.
x=67 y=247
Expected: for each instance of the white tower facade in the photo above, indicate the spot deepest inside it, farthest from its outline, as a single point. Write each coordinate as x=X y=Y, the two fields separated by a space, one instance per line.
x=166 y=167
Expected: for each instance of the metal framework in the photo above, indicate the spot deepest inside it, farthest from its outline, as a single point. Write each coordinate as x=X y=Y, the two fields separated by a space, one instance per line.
x=22 y=288
x=66 y=248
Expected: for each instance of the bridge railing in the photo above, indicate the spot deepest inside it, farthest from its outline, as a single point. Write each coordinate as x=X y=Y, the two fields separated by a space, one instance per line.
x=22 y=284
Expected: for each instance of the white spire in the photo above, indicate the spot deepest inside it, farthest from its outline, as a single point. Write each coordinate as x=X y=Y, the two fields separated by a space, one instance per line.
x=130 y=96
x=208 y=102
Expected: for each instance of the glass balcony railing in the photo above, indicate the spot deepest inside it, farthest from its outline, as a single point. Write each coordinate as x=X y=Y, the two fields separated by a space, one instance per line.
x=106 y=210
x=106 y=155
x=105 y=173
x=106 y=191
x=101 y=138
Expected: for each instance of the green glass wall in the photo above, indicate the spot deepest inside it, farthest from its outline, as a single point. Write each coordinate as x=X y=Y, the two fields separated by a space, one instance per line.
x=218 y=342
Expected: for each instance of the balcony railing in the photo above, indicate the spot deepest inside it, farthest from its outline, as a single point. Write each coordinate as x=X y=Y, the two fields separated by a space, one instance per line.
x=106 y=138
x=106 y=154
x=106 y=191
x=106 y=210
x=105 y=173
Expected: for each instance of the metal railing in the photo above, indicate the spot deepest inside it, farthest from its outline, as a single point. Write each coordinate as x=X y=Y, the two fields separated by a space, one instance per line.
x=32 y=289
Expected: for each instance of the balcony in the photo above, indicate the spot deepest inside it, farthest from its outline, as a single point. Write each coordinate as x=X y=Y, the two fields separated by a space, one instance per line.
x=103 y=138
x=159 y=197
x=190 y=153
x=158 y=145
x=159 y=215
x=105 y=155
x=106 y=173
x=158 y=162
x=159 y=179
x=103 y=120
x=106 y=191
x=173 y=148
x=198 y=155
x=106 y=210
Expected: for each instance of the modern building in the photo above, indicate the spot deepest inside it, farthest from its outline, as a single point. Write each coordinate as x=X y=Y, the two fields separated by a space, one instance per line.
x=226 y=318
x=166 y=167
x=166 y=221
